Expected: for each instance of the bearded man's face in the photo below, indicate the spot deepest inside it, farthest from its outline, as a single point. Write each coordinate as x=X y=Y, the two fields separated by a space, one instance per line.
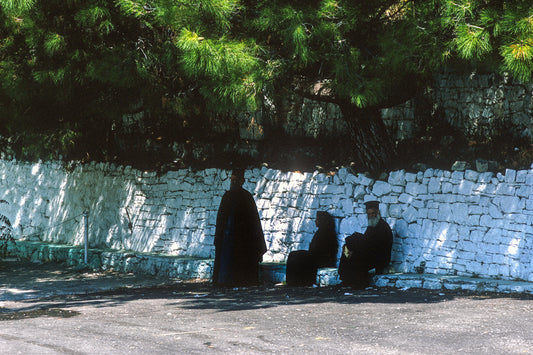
x=373 y=216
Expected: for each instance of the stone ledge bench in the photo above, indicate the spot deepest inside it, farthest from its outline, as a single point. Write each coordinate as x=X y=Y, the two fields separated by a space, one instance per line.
x=185 y=268
x=275 y=272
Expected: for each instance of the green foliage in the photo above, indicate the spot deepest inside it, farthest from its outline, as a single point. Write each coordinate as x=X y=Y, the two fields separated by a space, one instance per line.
x=472 y=42
x=517 y=59
x=16 y=7
x=74 y=68
x=499 y=31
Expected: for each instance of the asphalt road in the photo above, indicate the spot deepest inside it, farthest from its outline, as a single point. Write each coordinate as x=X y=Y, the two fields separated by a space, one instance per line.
x=195 y=318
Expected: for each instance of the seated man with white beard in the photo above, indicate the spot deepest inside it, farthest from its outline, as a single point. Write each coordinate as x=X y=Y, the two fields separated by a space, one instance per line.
x=363 y=252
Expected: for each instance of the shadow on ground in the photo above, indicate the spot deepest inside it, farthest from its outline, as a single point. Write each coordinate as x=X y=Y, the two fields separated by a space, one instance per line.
x=53 y=283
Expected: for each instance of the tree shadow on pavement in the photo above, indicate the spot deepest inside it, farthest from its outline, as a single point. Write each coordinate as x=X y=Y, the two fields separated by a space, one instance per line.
x=267 y=297
x=64 y=295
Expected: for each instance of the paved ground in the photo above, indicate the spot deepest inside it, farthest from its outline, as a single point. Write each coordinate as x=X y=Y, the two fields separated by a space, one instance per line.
x=50 y=309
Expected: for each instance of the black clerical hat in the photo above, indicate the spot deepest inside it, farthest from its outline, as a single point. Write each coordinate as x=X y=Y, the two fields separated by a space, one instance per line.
x=372 y=204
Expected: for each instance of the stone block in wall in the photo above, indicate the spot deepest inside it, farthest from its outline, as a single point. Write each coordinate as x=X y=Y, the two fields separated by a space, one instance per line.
x=434 y=185
x=505 y=189
x=398 y=178
x=395 y=211
x=365 y=181
x=410 y=215
x=349 y=225
x=485 y=177
x=510 y=204
x=359 y=192
x=416 y=189
x=401 y=229
x=494 y=212
x=521 y=176
x=465 y=187
x=381 y=188
x=459 y=213
x=473 y=220
x=529 y=178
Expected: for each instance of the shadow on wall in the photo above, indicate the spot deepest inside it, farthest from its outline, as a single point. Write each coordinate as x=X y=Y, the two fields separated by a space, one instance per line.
x=287 y=204
x=36 y=195
x=128 y=209
x=451 y=225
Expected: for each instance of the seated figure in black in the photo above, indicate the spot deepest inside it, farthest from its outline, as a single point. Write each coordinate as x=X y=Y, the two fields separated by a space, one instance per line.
x=302 y=265
x=363 y=252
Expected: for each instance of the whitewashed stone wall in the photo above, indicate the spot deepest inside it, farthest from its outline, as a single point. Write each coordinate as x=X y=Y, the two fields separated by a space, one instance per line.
x=463 y=223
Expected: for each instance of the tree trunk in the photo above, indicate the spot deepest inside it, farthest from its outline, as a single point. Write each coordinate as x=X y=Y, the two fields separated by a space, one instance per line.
x=373 y=146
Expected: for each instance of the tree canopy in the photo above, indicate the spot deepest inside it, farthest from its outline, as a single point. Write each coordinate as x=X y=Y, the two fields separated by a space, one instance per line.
x=73 y=69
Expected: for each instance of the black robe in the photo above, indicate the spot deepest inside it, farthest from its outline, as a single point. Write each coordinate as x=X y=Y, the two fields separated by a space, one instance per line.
x=302 y=265
x=239 y=240
x=369 y=250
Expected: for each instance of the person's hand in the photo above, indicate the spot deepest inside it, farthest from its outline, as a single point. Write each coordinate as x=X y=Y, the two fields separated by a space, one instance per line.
x=347 y=253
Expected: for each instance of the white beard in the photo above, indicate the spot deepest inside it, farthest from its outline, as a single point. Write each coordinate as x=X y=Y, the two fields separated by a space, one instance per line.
x=373 y=221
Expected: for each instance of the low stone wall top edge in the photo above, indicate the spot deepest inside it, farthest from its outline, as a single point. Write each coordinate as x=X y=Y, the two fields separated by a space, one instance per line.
x=36 y=245
x=344 y=173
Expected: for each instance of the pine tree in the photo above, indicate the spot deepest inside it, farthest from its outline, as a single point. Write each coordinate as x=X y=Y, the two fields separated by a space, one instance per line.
x=73 y=68
x=369 y=55
x=498 y=32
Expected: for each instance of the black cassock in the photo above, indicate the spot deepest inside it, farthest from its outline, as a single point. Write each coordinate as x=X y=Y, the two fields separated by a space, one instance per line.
x=239 y=239
x=369 y=250
x=302 y=265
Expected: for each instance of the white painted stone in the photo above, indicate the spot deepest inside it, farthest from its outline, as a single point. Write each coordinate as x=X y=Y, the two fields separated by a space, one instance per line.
x=405 y=198
x=433 y=214
x=349 y=225
x=447 y=188
x=529 y=178
x=459 y=213
x=410 y=214
x=472 y=175
x=494 y=212
x=395 y=211
x=182 y=205
x=351 y=179
x=416 y=189
x=521 y=176
x=381 y=188
x=510 y=175
x=420 y=177
x=342 y=173
x=347 y=206
x=365 y=181
x=391 y=199
x=485 y=177
x=458 y=175
x=401 y=228
x=434 y=186
x=509 y=204
x=410 y=177
x=359 y=192
x=432 y=284
x=465 y=187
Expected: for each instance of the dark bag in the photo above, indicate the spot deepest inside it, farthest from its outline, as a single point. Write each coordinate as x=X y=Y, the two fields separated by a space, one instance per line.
x=301 y=269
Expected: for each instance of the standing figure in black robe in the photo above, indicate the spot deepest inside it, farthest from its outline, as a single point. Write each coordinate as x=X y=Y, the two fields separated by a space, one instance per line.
x=302 y=265
x=363 y=252
x=239 y=239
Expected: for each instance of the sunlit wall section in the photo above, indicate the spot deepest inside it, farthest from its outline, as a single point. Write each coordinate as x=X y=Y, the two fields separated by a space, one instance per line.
x=445 y=222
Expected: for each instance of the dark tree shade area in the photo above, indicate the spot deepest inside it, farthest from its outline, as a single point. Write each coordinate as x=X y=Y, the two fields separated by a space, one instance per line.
x=156 y=82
